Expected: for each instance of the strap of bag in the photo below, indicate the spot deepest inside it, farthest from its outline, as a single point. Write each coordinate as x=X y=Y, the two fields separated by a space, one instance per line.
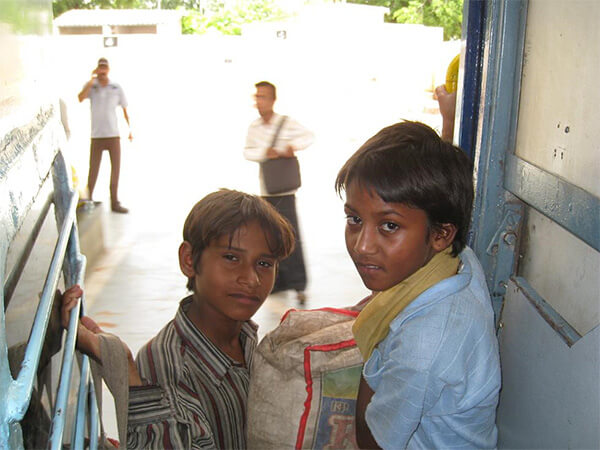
x=276 y=135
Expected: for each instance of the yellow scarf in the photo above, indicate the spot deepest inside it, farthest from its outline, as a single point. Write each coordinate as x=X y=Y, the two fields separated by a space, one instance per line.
x=372 y=324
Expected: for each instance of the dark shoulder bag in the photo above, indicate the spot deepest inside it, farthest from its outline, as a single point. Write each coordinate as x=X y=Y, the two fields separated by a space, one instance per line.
x=280 y=174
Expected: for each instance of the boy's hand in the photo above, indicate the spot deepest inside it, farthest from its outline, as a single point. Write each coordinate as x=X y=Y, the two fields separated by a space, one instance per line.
x=87 y=329
x=87 y=334
x=70 y=298
x=446 y=101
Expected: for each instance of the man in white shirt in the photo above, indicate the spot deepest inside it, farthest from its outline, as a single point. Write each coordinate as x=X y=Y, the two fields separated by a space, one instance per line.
x=105 y=96
x=260 y=147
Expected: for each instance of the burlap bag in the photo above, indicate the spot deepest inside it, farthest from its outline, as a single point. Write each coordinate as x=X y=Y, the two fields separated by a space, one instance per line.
x=304 y=382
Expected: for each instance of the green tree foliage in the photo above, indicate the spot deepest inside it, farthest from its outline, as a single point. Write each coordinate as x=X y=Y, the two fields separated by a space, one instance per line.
x=201 y=16
x=439 y=13
x=60 y=6
x=230 y=20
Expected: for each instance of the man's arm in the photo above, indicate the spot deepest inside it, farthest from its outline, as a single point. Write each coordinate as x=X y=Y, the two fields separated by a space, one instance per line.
x=257 y=146
x=447 y=103
x=298 y=135
x=128 y=124
x=85 y=92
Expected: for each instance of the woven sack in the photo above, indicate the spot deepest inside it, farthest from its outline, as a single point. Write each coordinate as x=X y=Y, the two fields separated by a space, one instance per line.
x=304 y=382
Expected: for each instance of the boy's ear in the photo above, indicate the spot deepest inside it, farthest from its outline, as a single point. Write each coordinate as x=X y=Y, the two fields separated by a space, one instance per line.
x=443 y=236
x=186 y=261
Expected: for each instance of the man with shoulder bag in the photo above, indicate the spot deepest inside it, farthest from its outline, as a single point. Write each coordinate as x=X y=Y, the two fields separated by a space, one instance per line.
x=272 y=141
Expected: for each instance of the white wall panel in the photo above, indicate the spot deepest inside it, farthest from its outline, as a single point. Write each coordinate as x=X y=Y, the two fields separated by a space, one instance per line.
x=559 y=114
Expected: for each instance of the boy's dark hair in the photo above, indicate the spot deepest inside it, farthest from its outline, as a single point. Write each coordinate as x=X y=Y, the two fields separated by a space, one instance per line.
x=225 y=211
x=269 y=85
x=409 y=163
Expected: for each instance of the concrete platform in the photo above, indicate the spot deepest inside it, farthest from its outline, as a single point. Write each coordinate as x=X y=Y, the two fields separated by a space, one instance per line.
x=90 y=224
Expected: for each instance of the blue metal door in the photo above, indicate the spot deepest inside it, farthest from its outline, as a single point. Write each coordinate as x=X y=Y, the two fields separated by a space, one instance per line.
x=536 y=225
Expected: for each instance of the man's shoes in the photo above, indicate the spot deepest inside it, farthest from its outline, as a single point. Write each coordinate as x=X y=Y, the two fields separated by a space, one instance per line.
x=116 y=207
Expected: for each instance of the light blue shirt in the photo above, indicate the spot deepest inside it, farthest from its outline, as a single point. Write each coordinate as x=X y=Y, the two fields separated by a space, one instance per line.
x=436 y=375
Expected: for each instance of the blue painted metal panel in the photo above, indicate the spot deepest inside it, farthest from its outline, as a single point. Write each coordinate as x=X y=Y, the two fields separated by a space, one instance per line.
x=568 y=205
x=502 y=49
x=504 y=248
x=474 y=17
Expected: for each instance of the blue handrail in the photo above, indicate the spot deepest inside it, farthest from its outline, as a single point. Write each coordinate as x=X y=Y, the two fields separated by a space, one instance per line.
x=60 y=408
x=26 y=170
x=77 y=438
x=21 y=388
x=94 y=416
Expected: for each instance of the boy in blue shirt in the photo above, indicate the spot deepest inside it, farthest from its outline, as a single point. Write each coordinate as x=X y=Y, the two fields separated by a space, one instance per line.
x=432 y=373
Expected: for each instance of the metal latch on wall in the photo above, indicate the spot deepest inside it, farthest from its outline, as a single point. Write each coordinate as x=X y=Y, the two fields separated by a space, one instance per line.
x=504 y=249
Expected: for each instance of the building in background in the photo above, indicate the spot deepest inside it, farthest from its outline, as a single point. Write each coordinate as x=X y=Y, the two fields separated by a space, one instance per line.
x=119 y=21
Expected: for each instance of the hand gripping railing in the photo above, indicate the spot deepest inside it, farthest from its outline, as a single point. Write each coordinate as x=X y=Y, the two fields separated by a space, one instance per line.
x=16 y=393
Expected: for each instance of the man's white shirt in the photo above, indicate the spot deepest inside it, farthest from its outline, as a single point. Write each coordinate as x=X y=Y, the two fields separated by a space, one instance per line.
x=260 y=137
x=103 y=104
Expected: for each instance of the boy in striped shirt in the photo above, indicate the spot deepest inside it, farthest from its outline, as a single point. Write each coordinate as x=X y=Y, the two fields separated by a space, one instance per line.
x=188 y=387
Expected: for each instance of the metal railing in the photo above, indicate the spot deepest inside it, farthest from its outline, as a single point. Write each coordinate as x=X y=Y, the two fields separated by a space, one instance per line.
x=27 y=167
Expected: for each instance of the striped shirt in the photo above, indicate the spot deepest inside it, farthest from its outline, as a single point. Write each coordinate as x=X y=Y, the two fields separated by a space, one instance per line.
x=195 y=395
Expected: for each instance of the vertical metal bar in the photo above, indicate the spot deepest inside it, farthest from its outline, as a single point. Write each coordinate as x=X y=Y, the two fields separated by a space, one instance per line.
x=473 y=34
x=502 y=61
x=58 y=421
x=77 y=439
x=94 y=417
x=20 y=390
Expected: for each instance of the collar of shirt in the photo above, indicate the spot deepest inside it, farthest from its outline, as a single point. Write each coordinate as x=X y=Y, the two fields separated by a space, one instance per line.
x=275 y=118
x=443 y=289
x=207 y=355
x=97 y=84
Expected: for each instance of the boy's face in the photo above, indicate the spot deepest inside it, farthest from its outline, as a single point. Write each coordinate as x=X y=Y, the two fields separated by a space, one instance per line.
x=387 y=242
x=233 y=281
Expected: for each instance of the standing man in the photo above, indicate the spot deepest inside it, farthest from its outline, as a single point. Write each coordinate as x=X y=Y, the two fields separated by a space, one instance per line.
x=260 y=147
x=105 y=96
